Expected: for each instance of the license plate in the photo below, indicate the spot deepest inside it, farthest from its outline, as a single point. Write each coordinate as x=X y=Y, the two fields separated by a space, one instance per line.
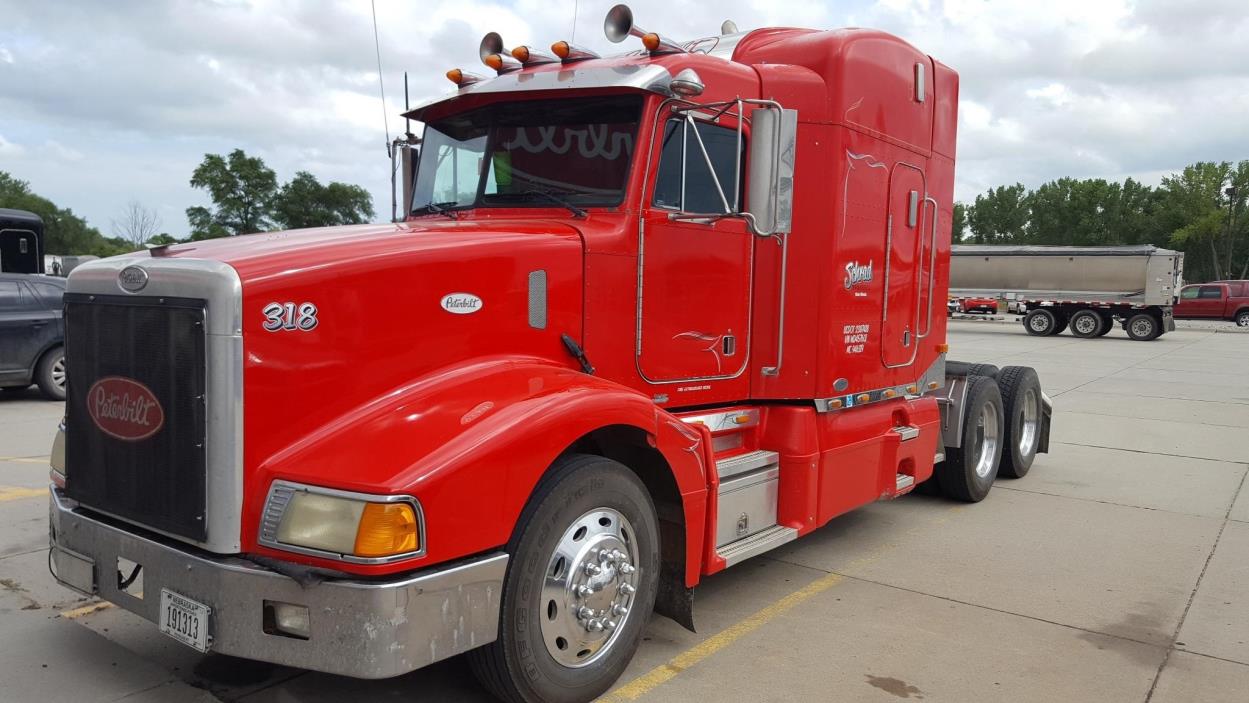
x=184 y=619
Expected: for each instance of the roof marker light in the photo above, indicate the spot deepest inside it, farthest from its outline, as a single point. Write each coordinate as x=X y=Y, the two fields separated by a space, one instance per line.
x=494 y=55
x=568 y=51
x=531 y=57
x=462 y=78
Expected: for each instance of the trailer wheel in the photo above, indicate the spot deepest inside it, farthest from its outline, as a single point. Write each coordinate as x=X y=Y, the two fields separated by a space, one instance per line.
x=1108 y=323
x=1040 y=322
x=1086 y=324
x=1143 y=327
x=1021 y=403
x=967 y=473
x=580 y=585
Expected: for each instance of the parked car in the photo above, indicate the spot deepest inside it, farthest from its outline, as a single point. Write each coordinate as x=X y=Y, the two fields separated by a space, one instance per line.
x=952 y=306
x=985 y=305
x=1220 y=300
x=32 y=333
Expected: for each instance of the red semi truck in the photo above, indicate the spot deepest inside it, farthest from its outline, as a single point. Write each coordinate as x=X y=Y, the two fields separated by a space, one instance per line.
x=646 y=317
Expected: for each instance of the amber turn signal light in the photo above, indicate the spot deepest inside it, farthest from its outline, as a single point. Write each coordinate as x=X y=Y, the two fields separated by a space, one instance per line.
x=561 y=49
x=650 y=41
x=387 y=529
x=521 y=54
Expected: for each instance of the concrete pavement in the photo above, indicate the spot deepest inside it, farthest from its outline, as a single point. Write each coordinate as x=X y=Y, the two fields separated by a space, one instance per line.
x=1117 y=570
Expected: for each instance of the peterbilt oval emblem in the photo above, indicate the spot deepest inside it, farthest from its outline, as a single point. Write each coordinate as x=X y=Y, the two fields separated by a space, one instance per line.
x=132 y=278
x=124 y=408
x=461 y=303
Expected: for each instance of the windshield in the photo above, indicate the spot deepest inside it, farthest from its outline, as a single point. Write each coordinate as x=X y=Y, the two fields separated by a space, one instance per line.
x=523 y=153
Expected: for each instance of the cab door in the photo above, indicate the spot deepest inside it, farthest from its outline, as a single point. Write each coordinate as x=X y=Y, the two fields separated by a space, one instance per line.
x=903 y=266
x=694 y=283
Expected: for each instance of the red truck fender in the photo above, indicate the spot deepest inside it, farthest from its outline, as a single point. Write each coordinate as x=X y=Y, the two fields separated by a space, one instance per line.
x=472 y=442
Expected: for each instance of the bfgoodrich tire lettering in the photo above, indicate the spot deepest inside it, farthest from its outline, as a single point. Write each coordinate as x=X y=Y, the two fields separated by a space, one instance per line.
x=519 y=666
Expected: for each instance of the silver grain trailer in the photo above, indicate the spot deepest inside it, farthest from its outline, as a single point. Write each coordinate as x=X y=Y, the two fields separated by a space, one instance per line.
x=1087 y=289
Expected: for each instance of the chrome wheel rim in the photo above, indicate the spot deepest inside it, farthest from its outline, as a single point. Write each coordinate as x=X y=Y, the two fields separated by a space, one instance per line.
x=58 y=373
x=986 y=440
x=1242 y=320
x=1039 y=323
x=588 y=587
x=1029 y=421
x=1087 y=324
x=1142 y=328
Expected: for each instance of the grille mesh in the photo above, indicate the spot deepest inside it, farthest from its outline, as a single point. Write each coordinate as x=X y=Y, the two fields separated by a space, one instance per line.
x=158 y=481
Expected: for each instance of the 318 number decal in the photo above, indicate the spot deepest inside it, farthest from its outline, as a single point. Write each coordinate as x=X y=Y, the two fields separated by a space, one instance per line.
x=290 y=317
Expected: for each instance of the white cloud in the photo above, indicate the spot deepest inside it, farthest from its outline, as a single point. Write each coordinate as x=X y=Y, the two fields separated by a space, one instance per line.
x=1107 y=88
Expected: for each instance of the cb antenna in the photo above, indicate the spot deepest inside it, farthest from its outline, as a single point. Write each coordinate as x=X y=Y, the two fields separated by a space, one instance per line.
x=377 y=45
x=407 y=121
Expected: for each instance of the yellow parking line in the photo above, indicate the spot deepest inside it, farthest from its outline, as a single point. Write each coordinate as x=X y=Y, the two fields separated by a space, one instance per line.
x=661 y=674
x=86 y=610
x=26 y=459
x=9 y=493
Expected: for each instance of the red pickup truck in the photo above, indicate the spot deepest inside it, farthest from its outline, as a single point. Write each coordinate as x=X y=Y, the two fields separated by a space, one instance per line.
x=1218 y=300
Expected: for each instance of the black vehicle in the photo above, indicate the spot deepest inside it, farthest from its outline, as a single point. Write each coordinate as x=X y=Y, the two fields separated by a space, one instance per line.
x=32 y=333
x=21 y=242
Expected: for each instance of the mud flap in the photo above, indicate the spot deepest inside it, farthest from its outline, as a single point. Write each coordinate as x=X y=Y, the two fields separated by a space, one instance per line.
x=674 y=600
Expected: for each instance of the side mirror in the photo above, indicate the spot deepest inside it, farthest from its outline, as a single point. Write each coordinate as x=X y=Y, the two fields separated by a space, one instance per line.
x=770 y=193
x=408 y=158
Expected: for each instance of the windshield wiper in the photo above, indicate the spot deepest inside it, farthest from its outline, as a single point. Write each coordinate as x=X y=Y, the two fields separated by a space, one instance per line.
x=576 y=211
x=438 y=208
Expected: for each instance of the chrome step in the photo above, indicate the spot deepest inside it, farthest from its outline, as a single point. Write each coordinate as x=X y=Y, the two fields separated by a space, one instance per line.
x=743 y=463
x=904 y=482
x=940 y=457
x=758 y=543
x=907 y=433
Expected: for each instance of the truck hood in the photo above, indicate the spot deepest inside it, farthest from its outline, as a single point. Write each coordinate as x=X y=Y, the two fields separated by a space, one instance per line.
x=337 y=319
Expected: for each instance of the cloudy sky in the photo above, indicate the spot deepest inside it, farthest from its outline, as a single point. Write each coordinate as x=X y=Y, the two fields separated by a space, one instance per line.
x=104 y=102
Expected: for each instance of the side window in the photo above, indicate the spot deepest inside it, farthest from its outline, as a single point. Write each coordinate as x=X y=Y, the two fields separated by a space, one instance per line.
x=459 y=167
x=1189 y=293
x=683 y=181
x=1211 y=293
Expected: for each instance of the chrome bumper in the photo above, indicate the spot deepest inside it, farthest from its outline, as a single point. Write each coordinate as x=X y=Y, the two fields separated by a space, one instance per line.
x=365 y=629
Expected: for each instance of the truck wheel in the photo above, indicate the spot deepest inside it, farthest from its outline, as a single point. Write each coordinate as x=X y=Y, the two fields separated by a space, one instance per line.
x=1143 y=327
x=50 y=374
x=967 y=473
x=1086 y=324
x=1040 y=322
x=1021 y=403
x=1108 y=323
x=1242 y=318
x=579 y=588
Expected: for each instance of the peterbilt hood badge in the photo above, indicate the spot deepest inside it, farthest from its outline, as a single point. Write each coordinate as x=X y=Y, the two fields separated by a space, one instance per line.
x=124 y=408
x=132 y=279
x=461 y=303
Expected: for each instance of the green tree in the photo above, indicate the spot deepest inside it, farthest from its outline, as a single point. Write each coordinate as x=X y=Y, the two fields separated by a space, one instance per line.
x=64 y=232
x=999 y=216
x=958 y=228
x=1203 y=218
x=242 y=189
x=304 y=202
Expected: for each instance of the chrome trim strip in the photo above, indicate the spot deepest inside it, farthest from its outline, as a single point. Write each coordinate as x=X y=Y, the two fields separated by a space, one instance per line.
x=720 y=421
x=933 y=380
x=758 y=543
x=219 y=285
x=282 y=492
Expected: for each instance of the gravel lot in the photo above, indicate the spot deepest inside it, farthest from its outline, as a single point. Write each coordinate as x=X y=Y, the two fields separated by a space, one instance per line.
x=1118 y=570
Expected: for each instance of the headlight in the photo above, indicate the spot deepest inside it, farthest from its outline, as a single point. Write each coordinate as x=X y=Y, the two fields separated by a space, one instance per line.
x=354 y=527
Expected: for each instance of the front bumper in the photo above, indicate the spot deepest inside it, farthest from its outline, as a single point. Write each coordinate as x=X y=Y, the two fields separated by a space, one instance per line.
x=365 y=629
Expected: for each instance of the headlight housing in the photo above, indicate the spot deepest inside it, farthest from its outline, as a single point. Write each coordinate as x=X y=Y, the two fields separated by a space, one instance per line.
x=354 y=527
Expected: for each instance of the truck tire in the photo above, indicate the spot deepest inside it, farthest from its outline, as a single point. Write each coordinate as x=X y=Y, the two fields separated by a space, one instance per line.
x=1040 y=322
x=1242 y=318
x=50 y=373
x=1021 y=406
x=963 y=368
x=1108 y=323
x=580 y=585
x=1086 y=324
x=1143 y=327
x=967 y=473
x=1062 y=318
